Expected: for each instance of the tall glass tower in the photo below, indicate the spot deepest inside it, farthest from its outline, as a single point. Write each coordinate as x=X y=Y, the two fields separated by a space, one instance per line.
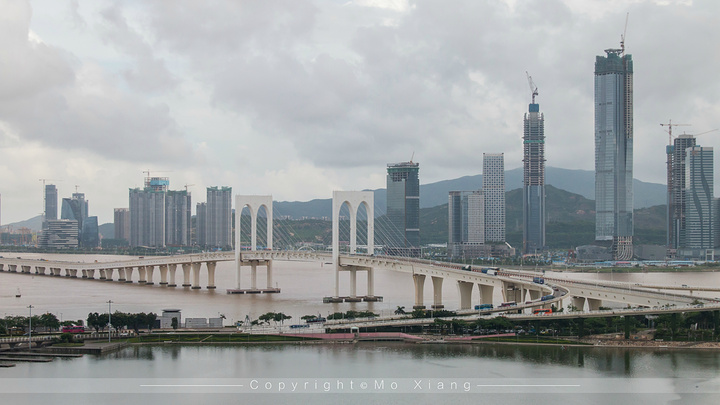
x=403 y=208
x=494 y=193
x=51 y=202
x=699 y=230
x=534 y=180
x=614 y=151
x=676 y=188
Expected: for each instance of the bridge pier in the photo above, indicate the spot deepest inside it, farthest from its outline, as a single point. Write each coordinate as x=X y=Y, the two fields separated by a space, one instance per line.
x=12 y=268
x=186 y=275
x=90 y=274
x=268 y=269
x=173 y=269
x=40 y=270
x=486 y=293
x=211 y=275
x=196 y=275
x=141 y=275
x=149 y=270
x=163 y=274
x=371 y=283
x=253 y=274
x=579 y=303
x=419 y=281
x=123 y=275
x=109 y=274
x=128 y=274
x=26 y=269
x=594 y=304
x=465 y=289
x=535 y=295
x=437 y=292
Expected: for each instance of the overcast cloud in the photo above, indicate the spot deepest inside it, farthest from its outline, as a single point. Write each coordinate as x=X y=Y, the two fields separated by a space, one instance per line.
x=300 y=98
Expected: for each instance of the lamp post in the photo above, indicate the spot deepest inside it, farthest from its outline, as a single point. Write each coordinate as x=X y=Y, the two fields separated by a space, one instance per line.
x=30 y=328
x=109 y=319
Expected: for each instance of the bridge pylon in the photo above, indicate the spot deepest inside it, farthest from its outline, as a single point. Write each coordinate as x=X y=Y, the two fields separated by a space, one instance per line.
x=354 y=200
x=254 y=204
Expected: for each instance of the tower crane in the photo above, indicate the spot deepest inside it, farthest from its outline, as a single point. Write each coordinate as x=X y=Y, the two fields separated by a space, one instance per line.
x=669 y=130
x=186 y=187
x=533 y=87
x=622 y=37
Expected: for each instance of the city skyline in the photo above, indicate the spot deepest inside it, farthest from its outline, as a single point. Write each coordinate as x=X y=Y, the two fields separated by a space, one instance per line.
x=97 y=92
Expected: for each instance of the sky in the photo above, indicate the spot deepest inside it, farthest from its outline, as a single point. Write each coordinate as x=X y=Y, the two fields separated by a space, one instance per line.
x=299 y=98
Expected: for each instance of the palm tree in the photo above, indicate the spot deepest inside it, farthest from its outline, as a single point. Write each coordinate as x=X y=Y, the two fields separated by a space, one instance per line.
x=400 y=310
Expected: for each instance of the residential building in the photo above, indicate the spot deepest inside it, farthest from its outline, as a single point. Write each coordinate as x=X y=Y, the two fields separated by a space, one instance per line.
x=201 y=224
x=403 y=209
x=219 y=217
x=494 y=195
x=147 y=217
x=178 y=217
x=614 y=152
x=533 y=180
x=122 y=223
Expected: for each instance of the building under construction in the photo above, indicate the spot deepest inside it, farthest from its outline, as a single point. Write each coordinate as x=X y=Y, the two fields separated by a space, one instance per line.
x=533 y=177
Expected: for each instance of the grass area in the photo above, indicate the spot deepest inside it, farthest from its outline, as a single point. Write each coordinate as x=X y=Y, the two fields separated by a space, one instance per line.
x=215 y=338
x=532 y=339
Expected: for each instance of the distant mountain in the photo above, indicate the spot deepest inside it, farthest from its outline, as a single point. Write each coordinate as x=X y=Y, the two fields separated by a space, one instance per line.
x=34 y=224
x=107 y=231
x=580 y=182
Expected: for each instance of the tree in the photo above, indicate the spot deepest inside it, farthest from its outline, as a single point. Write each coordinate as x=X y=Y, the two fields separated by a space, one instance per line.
x=400 y=311
x=174 y=323
x=49 y=321
x=267 y=317
x=280 y=317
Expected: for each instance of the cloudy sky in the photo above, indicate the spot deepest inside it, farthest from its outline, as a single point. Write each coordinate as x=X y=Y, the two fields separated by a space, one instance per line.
x=298 y=98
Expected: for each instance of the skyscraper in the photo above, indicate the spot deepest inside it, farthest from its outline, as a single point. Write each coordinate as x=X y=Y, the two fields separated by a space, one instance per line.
x=494 y=193
x=201 y=223
x=51 y=202
x=466 y=223
x=219 y=217
x=699 y=205
x=614 y=151
x=403 y=209
x=676 y=188
x=178 y=217
x=122 y=224
x=147 y=217
x=533 y=180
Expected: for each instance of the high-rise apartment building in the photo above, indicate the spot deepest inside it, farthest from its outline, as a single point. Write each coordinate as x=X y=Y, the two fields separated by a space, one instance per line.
x=676 y=188
x=403 y=209
x=147 y=217
x=218 y=223
x=201 y=223
x=466 y=223
x=699 y=199
x=122 y=223
x=494 y=192
x=178 y=217
x=614 y=151
x=533 y=180
x=51 y=202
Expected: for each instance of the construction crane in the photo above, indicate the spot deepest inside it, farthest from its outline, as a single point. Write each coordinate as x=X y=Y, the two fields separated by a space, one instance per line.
x=533 y=87
x=622 y=37
x=186 y=187
x=669 y=130
x=156 y=171
x=44 y=180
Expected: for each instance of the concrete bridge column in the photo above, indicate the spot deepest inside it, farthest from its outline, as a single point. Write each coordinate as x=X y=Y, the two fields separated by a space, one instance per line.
x=437 y=292
x=173 y=269
x=186 y=275
x=40 y=270
x=2 y=266
x=371 y=282
x=579 y=303
x=486 y=293
x=149 y=270
x=124 y=275
x=535 y=294
x=253 y=274
x=83 y=272
x=55 y=271
x=465 y=288
x=269 y=265
x=102 y=274
x=196 y=275
x=141 y=275
x=211 y=274
x=594 y=304
x=12 y=268
x=90 y=274
x=353 y=283
x=71 y=273
x=419 y=280
x=26 y=269
x=109 y=274
x=163 y=274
